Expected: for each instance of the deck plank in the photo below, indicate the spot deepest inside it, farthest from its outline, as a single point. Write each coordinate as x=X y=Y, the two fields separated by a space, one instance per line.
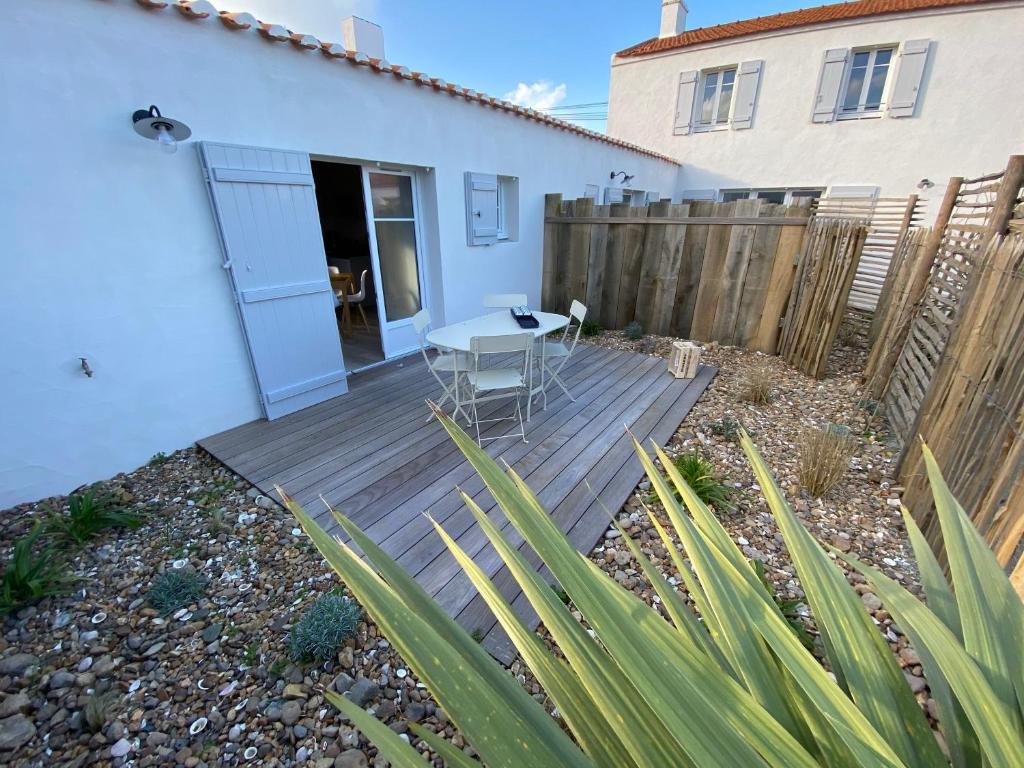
x=373 y=455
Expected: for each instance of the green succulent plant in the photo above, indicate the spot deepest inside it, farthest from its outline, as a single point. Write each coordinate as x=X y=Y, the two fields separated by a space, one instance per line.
x=728 y=685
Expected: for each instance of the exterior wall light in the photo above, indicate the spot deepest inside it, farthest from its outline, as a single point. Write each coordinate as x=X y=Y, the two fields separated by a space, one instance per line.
x=165 y=131
x=925 y=184
x=626 y=178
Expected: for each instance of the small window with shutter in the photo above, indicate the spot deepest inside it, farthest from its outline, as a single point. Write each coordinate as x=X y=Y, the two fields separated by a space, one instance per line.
x=909 y=75
x=864 y=88
x=492 y=208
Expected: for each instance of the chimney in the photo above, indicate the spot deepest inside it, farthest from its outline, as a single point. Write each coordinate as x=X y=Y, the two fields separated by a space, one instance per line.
x=363 y=36
x=673 y=17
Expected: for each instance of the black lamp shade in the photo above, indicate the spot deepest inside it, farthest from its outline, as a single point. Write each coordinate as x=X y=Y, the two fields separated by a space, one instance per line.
x=149 y=122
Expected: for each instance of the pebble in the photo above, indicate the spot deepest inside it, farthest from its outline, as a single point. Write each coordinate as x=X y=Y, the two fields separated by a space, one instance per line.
x=291 y=711
x=121 y=748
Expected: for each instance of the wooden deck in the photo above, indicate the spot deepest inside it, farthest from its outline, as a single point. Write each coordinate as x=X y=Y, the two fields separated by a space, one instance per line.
x=374 y=455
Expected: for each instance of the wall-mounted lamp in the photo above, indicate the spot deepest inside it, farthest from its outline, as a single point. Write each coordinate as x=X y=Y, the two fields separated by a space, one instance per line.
x=925 y=184
x=626 y=178
x=165 y=131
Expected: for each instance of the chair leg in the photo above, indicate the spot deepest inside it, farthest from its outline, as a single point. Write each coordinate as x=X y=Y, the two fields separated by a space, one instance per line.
x=362 y=312
x=519 y=412
x=558 y=380
x=476 y=420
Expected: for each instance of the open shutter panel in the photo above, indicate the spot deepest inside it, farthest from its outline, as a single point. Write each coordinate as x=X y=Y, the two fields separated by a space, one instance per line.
x=684 y=102
x=747 y=80
x=913 y=57
x=829 y=85
x=481 y=208
x=612 y=195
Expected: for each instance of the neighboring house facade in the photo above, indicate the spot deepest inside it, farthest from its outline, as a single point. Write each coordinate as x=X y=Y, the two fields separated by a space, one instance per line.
x=154 y=299
x=872 y=97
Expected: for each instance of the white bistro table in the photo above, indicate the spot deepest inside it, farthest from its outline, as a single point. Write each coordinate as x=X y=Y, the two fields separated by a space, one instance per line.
x=457 y=336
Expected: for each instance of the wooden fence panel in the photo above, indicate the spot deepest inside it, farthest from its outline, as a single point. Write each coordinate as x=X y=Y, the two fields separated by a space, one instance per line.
x=690 y=265
x=734 y=272
x=579 y=254
x=828 y=263
x=598 y=270
x=710 y=289
x=605 y=313
x=651 y=258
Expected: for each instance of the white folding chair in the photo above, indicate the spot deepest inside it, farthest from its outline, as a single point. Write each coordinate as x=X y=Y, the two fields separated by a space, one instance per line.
x=456 y=363
x=504 y=300
x=555 y=354
x=508 y=381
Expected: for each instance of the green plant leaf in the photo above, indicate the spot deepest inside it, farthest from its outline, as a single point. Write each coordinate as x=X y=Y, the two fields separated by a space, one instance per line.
x=991 y=612
x=856 y=649
x=941 y=653
x=399 y=754
x=453 y=756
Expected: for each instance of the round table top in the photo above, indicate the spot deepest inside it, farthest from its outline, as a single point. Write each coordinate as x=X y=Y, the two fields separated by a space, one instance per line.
x=501 y=323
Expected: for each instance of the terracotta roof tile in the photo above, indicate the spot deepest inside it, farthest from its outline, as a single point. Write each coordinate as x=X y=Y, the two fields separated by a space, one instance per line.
x=823 y=14
x=197 y=11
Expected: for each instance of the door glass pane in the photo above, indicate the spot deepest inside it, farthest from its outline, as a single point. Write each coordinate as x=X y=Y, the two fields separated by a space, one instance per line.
x=396 y=249
x=772 y=196
x=729 y=197
x=391 y=196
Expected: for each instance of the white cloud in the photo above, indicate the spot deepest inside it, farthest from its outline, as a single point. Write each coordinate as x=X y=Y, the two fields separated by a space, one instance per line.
x=542 y=94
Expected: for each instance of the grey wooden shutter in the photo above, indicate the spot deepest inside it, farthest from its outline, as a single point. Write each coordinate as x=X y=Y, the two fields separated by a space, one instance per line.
x=913 y=57
x=748 y=77
x=481 y=208
x=684 y=102
x=612 y=195
x=274 y=254
x=830 y=83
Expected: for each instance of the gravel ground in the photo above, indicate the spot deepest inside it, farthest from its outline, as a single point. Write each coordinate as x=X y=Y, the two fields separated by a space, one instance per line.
x=213 y=683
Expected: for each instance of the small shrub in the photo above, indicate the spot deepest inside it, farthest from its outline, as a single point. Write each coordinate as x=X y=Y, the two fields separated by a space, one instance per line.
x=33 y=571
x=175 y=589
x=89 y=513
x=788 y=608
x=325 y=626
x=216 y=524
x=824 y=458
x=277 y=669
x=158 y=458
x=590 y=327
x=727 y=427
x=251 y=654
x=758 y=386
x=699 y=473
x=98 y=709
x=633 y=331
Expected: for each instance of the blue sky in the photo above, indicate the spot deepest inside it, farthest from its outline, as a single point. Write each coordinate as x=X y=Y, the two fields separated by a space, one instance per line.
x=544 y=53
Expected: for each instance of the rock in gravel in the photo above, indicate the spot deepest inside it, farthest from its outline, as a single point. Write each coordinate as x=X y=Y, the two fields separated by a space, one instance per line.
x=917 y=684
x=871 y=601
x=121 y=748
x=13 y=704
x=61 y=679
x=351 y=758
x=343 y=682
x=212 y=632
x=17 y=663
x=291 y=712
x=15 y=732
x=363 y=692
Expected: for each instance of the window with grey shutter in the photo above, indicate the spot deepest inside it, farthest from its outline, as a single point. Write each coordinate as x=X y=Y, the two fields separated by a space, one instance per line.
x=684 y=102
x=481 y=208
x=829 y=84
x=748 y=78
x=913 y=58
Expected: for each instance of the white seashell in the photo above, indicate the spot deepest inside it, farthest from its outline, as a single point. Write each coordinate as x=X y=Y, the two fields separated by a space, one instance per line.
x=136 y=684
x=198 y=726
x=244 y=587
x=296 y=531
x=180 y=612
x=159 y=622
x=400 y=673
x=202 y=687
x=179 y=564
x=185 y=616
x=86 y=637
x=250 y=753
x=99 y=618
x=227 y=689
x=84 y=664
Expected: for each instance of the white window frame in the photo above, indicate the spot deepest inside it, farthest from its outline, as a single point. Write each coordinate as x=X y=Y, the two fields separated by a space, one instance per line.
x=715 y=124
x=508 y=208
x=861 y=110
x=789 y=199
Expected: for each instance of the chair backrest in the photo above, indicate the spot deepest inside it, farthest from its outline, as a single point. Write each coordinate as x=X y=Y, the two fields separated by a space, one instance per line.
x=362 y=288
x=577 y=311
x=332 y=271
x=504 y=300
x=519 y=343
x=420 y=321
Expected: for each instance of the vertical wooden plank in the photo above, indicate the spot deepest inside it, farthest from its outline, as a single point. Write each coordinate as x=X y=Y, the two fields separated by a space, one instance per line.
x=579 y=255
x=552 y=208
x=759 y=272
x=710 y=288
x=651 y=258
x=632 y=250
x=690 y=265
x=609 y=304
x=668 y=272
x=780 y=285
x=734 y=274
x=558 y=292
x=598 y=266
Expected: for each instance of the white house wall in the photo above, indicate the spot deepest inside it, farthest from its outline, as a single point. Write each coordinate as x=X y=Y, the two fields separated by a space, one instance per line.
x=968 y=119
x=110 y=248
